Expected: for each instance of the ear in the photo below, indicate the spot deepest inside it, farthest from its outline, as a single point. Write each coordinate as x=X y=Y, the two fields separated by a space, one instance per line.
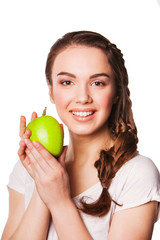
x=51 y=93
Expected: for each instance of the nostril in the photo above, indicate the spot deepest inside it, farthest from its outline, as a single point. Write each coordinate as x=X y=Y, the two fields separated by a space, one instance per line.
x=83 y=98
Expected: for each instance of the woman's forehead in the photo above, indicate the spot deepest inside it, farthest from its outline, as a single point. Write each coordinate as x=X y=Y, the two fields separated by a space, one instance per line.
x=82 y=57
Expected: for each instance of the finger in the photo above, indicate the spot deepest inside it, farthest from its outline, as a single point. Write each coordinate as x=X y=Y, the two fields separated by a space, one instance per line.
x=21 y=151
x=28 y=166
x=36 y=158
x=23 y=158
x=62 y=128
x=22 y=126
x=36 y=168
x=27 y=163
x=62 y=156
x=48 y=157
x=27 y=134
x=34 y=115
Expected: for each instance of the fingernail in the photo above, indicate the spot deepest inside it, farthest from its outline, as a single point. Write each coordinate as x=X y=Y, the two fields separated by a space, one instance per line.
x=27 y=131
x=36 y=144
x=27 y=142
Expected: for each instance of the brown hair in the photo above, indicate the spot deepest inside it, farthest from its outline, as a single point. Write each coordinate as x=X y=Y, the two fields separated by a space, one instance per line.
x=120 y=122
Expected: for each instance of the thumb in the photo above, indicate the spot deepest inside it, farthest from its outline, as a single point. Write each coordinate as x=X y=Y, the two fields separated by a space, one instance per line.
x=62 y=156
x=62 y=128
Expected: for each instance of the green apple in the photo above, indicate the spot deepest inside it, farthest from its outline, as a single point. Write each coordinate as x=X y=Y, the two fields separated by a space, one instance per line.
x=47 y=131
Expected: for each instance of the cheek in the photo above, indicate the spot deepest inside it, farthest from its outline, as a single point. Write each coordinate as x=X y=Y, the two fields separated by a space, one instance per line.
x=106 y=101
x=61 y=101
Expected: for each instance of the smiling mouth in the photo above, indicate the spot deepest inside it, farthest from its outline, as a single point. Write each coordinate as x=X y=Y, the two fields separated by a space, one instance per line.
x=82 y=114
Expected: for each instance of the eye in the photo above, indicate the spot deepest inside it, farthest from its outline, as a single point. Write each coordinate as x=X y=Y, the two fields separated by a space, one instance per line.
x=98 y=83
x=67 y=83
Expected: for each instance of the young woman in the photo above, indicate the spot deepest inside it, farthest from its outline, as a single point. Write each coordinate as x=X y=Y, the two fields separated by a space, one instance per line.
x=101 y=187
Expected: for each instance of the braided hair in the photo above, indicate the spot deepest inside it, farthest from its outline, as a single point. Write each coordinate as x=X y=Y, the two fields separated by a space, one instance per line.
x=121 y=123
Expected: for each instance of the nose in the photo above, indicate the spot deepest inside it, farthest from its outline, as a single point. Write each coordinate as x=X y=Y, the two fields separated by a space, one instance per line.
x=83 y=95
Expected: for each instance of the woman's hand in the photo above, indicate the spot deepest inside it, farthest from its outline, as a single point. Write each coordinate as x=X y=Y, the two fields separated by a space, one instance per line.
x=50 y=175
x=25 y=134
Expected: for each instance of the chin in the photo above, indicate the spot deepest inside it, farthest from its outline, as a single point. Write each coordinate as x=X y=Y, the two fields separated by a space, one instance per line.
x=86 y=132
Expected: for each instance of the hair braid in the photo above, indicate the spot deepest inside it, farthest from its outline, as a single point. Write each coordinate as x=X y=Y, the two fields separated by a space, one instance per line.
x=123 y=129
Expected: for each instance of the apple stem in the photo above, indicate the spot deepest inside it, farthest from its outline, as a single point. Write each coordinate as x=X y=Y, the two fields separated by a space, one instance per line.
x=44 y=112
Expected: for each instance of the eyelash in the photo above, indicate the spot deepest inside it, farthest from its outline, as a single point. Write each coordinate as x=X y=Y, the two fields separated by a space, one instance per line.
x=99 y=83
x=65 y=83
x=96 y=83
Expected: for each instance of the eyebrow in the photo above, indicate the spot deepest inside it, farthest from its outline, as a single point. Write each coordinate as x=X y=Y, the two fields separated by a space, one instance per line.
x=91 y=77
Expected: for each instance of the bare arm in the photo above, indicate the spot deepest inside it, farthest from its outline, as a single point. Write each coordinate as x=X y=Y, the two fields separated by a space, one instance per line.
x=134 y=223
x=68 y=223
x=16 y=211
x=23 y=224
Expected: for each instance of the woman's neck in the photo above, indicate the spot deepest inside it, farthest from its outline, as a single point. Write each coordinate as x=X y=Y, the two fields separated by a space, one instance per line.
x=84 y=150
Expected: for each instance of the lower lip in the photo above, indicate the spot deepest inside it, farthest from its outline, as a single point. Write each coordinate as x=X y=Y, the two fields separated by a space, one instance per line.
x=83 y=119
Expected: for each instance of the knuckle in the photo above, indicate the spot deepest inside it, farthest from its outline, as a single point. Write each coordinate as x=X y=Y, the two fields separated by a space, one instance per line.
x=50 y=158
x=27 y=152
x=31 y=148
x=38 y=146
x=59 y=172
x=51 y=178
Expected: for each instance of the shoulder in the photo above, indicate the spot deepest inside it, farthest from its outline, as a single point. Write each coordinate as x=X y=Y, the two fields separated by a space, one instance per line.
x=139 y=168
x=140 y=160
x=136 y=183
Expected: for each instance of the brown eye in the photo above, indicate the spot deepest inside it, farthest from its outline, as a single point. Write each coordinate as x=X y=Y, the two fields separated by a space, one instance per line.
x=98 y=83
x=67 y=83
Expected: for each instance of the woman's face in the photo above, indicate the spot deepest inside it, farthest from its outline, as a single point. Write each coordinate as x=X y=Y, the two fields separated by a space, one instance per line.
x=83 y=89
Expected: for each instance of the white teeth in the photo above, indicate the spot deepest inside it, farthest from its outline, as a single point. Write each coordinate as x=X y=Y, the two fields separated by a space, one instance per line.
x=82 y=114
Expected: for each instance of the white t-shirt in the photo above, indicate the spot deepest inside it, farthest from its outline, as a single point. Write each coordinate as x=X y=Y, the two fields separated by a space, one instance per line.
x=137 y=182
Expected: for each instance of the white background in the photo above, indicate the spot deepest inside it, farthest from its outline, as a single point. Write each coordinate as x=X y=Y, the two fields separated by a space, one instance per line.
x=27 y=31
